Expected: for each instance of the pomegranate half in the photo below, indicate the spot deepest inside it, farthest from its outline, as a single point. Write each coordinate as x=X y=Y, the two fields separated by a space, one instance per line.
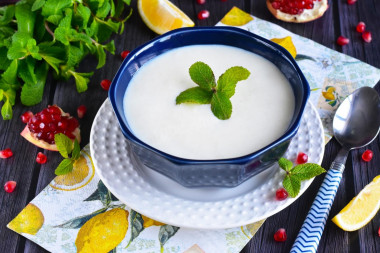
x=297 y=11
x=42 y=127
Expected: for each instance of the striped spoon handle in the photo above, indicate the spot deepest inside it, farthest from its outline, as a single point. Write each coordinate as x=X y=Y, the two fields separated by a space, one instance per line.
x=311 y=231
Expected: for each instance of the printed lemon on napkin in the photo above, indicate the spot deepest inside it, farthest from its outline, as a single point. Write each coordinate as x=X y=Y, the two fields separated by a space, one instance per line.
x=361 y=209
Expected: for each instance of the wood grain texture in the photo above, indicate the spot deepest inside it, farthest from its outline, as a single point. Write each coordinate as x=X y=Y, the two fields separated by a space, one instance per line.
x=340 y=19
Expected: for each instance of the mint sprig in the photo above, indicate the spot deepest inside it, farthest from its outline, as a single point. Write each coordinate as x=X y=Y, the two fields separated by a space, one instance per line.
x=218 y=93
x=65 y=147
x=295 y=175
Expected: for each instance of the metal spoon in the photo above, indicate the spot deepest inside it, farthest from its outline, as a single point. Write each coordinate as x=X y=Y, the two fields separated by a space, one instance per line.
x=356 y=123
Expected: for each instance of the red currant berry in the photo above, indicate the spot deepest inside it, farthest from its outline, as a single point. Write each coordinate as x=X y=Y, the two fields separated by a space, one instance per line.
x=201 y=1
x=82 y=109
x=302 y=158
x=281 y=194
x=351 y=1
x=6 y=153
x=360 y=27
x=10 y=186
x=367 y=36
x=203 y=14
x=105 y=84
x=341 y=41
x=124 y=54
x=367 y=155
x=280 y=235
x=26 y=116
x=41 y=158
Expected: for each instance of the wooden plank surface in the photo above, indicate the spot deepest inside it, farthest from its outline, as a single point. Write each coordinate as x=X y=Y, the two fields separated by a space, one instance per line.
x=340 y=19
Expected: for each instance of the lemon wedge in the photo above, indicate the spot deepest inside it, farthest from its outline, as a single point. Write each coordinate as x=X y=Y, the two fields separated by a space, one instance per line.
x=286 y=43
x=162 y=16
x=361 y=209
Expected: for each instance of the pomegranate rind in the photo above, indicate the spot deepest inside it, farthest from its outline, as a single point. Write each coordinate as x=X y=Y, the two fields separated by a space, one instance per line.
x=319 y=9
x=29 y=136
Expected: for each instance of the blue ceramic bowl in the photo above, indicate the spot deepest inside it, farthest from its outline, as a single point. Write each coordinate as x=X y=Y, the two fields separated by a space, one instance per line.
x=225 y=172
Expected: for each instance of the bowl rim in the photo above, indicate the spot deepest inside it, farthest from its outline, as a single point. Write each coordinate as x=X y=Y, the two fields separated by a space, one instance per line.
x=292 y=130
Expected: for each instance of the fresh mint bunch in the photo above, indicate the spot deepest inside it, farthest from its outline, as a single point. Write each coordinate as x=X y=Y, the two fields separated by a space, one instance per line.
x=36 y=35
x=209 y=91
x=294 y=175
x=65 y=147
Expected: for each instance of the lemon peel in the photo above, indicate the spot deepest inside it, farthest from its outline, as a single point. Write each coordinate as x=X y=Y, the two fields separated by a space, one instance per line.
x=29 y=220
x=361 y=209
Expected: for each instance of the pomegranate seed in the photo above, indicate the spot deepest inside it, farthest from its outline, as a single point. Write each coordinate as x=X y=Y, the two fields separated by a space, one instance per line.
x=302 y=158
x=281 y=194
x=367 y=36
x=201 y=1
x=203 y=14
x=26 y=116
x=81 y=111
x=360 y=27
x=62 y=124
x=378 y=232
x=41 y=158
x=367 y=155
x=124 y=54
x=105 y=84
x=351 y=1
x=223 y=0
x=53 y=110
x=280 y=235
x=10 y=186
x=342 y=41
x=6 y=153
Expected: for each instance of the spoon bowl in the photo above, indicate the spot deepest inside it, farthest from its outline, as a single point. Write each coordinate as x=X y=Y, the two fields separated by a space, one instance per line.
x=356 y=123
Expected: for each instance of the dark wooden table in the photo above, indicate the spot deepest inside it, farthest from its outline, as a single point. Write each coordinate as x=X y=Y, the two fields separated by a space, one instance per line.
x=340 y=19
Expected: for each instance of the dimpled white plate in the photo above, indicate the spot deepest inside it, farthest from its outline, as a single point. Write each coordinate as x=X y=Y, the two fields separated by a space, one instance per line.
x=162 y=199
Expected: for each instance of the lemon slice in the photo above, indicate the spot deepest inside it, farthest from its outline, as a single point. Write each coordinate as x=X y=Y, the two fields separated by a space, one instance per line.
x=286 y=43
x=361 y=209
x=162 y=16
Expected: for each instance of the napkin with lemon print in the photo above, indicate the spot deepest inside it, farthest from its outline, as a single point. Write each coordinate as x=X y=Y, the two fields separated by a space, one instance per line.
x=77 y=213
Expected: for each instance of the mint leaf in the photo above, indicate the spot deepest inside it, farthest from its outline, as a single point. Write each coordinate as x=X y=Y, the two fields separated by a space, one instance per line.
x=202 y=75
x=292 y=184
x=194 y=95
x=307 y=171
x=6 y=110
x=65 y=167
x=81 y=80
x=101 y=56
x=221 y=106
x=64 y=144
x=32 y=94
x=227 y=81
x=285 y=164
x=76 y=150
x=38 y=4
x=26 y=71
x=85 y=14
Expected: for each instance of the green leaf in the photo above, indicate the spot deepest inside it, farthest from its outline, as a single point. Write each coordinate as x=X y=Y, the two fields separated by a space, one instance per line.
x=10 y=95
x=81 y=80
x=75 y=55
x=64 y=144
x=202 y=75
x=137 y=223
x=78 y=222
x=292 y=184
x=307 y=171
x=227 y=81
x=52 y=55
x=85 y=14
x=165 y=233
x=128 y=2
x=25 y=18
x=38 y=4
x=54 y=7
x=65 y=167
x=10 y=75
x=285 y=164
x=221 y=106
x=113 y=26
x=33 y=49
x=6 y=110
x=194 y=95
x=54 y=19
x=26 y=71
x=8 y=13
x=4 y=61
x=104 y=10
x=16 y=51
x=110 y=47
x=101 y=56
x=1 y=94
x=76 y=150
x=32 y=94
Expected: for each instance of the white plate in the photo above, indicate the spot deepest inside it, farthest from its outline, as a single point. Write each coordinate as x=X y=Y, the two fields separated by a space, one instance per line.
x=162 y=199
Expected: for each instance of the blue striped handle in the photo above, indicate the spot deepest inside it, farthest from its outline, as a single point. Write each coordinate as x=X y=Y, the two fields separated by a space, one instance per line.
x=311 y=232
